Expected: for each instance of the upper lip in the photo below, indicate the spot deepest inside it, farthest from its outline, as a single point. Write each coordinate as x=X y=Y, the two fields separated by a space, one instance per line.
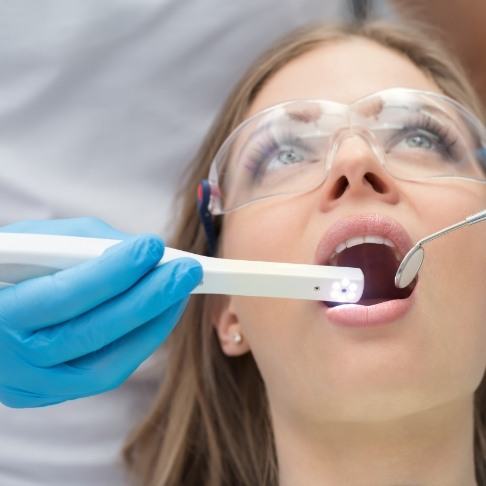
x=362 y=225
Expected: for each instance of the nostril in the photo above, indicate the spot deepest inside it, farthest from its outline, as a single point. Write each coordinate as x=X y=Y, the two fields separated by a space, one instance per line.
x=341 y=185
x=376 y=182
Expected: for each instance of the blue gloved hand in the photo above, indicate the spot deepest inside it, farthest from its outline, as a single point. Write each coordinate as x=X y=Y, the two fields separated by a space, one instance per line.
x=84 y=330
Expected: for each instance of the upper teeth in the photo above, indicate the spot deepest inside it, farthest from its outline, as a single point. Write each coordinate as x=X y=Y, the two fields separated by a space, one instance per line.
x=358 y=240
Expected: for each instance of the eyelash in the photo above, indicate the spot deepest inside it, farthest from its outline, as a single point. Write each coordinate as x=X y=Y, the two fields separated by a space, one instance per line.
x=446 y=140
x=268 y=146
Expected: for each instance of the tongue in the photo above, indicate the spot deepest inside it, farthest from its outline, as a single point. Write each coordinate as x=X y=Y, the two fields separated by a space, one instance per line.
x=379 y=266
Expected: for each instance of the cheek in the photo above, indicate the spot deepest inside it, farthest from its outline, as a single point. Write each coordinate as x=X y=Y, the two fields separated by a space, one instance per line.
x=273 y=329
x=452 y=286
x=454 y=267
x=270 y=232
x=457 y=302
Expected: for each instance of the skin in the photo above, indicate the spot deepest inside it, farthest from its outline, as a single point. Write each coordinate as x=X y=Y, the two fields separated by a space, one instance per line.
x=389 y=406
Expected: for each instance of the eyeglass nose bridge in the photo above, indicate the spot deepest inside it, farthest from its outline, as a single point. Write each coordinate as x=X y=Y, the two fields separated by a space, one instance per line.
x=351 y=131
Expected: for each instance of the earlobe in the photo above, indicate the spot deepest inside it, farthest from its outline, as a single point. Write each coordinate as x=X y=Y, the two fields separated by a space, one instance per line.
x=228 y=330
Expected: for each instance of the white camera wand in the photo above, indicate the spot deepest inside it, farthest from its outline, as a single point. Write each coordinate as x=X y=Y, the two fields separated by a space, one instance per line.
x=24 y=256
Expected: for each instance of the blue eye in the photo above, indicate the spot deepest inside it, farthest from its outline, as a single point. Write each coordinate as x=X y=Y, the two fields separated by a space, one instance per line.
x=269 y=154
x=284 y=157
x=289 y=156
x=422 y=140
x=427 y=135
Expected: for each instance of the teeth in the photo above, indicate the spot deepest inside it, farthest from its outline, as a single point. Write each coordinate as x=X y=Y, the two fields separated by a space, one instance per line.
x=364 y=239
x=340 y=248
x=359 y=240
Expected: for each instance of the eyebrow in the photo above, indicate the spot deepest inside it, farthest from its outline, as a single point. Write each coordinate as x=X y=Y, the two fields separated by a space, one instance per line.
x=306 y=115
x=258 y=132
x=372 y=107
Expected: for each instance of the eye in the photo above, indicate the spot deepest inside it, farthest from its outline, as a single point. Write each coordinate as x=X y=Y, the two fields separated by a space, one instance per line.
x=272 y=154
x=427 y=136
x=422 y=140
x=289 y=156
x=285 y=157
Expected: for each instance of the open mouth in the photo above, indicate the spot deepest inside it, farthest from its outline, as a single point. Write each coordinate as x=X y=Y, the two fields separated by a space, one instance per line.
x=379 y=264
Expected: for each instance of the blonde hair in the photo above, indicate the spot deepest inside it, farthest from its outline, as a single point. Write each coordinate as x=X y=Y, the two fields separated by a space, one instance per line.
x=210 y=423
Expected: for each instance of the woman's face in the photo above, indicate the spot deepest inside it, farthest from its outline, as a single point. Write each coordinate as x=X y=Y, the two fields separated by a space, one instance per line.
x=316 y=370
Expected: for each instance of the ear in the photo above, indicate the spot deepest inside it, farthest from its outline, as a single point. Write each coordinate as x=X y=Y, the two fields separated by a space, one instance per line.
x=228 y=329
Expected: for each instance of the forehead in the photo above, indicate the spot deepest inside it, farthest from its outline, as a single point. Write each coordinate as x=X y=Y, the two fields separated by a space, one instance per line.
x=342 y=71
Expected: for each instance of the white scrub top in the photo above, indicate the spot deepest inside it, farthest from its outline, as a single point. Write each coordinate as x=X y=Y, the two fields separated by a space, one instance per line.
x=102 y=106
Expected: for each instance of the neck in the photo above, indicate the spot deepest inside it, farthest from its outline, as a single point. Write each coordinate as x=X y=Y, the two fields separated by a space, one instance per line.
x=431 y=448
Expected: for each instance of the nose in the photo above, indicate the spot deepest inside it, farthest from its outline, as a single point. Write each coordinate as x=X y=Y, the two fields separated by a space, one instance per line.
x=356 y=171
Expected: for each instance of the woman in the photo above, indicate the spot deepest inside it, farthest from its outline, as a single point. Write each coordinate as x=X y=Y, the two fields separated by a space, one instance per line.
x=277 y=391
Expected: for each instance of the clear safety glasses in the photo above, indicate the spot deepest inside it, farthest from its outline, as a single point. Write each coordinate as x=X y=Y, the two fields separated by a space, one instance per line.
x=289 y=148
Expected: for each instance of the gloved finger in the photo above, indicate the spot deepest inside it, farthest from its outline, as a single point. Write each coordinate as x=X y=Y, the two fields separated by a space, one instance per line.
x=52 y=299
x=150 y=297
x=89 y=227
x=95 y=373
x=109 y=367
x=14 y=397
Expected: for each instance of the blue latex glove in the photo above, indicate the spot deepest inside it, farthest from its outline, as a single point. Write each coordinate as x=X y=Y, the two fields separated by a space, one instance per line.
x=84 y=330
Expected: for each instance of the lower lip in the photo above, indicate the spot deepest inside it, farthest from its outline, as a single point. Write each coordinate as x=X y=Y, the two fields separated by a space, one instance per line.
x=354 y=315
